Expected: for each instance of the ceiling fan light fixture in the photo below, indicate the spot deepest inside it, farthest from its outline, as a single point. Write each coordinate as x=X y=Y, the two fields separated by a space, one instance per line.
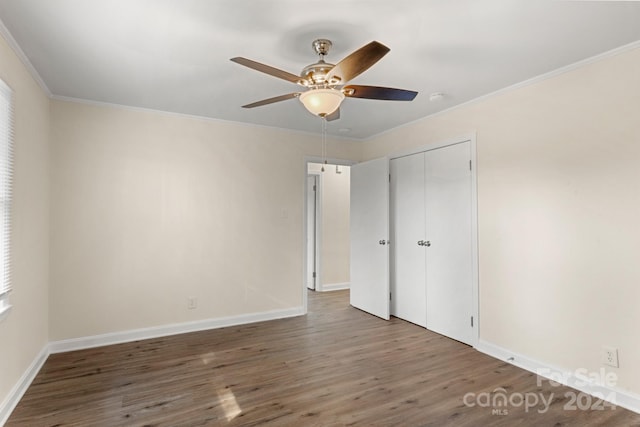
x=321 y=102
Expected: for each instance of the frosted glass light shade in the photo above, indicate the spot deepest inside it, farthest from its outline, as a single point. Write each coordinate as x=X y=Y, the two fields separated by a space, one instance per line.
x=321 y=102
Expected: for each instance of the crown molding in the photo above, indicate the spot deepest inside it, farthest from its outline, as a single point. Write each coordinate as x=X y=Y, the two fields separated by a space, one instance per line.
x=537 y=79
x=6 y=34
x=13 y=44
x=193 y=117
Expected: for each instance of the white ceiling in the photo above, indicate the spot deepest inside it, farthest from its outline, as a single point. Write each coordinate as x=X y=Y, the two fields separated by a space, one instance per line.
x=174 y=55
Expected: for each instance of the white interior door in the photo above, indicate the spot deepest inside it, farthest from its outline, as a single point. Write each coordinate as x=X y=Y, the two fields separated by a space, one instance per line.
x=311 y=230
x=448 y=231
x=369 y=231
x=408 y=290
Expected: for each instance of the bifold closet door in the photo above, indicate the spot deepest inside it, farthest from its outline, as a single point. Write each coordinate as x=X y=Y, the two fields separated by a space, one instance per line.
x=449 y=278
x=408 y=290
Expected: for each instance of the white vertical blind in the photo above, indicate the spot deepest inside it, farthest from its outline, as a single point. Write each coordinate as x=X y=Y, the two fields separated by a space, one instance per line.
x=6 y=176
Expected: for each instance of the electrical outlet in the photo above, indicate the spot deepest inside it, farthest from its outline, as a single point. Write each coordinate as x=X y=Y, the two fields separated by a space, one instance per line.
x=192 y=303
x=610 y=356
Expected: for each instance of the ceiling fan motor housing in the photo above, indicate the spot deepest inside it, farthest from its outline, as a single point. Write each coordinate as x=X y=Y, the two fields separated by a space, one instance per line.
x=315 y=74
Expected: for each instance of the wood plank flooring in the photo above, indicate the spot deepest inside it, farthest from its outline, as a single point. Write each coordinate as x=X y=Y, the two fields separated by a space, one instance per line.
x=336 y=366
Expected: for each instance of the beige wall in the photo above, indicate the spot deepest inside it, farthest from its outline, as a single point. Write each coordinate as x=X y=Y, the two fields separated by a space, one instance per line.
x=559 y=203
x=149 y=209
x=335 y=250
x=23 y=334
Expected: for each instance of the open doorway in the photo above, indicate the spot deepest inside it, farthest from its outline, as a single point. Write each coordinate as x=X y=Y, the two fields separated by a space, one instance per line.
x=327 y=243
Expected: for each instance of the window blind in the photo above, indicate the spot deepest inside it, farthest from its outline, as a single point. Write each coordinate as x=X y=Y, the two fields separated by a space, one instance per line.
x=6 y=176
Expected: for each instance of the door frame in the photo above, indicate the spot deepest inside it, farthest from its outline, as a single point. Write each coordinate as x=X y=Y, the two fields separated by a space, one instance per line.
x=305 y=168
x=318 y=230
x=471 y=138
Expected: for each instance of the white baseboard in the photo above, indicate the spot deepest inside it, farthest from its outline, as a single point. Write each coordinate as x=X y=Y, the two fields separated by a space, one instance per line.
x=173 y=329
x=335 y=287
x=18 y=390
x=614 y=395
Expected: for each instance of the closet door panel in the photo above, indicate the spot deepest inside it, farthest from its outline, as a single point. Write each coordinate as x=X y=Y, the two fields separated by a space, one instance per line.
x=449 y=278
x=408 y=300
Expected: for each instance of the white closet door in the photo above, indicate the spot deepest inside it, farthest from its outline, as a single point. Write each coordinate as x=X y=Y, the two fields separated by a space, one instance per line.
x=369 y=232
x=408 y=228
x=448 y=230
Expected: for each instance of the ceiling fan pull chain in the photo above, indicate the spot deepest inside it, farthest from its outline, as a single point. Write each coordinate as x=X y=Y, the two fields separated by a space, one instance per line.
x=324 y=142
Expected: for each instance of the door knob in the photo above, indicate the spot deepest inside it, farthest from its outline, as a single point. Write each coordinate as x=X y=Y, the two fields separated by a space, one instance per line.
x=427 y=243
x=420 y=242
x=382 y=242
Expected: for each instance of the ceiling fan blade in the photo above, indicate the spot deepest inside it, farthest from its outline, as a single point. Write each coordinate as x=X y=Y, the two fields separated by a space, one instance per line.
x=358 y=62
x=267 y=69
x=333 y=116
x=272 y=100
x=376 y=92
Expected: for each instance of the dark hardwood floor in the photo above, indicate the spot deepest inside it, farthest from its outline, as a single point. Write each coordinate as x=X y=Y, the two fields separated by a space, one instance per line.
x=335 y=366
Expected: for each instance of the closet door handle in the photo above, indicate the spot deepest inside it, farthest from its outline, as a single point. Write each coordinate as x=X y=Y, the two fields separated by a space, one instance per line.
x=421 y=242
x=427 y=243
x=382 y=242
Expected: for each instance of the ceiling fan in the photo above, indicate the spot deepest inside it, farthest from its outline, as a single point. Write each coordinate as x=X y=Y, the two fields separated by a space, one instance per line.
x=324 y=82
